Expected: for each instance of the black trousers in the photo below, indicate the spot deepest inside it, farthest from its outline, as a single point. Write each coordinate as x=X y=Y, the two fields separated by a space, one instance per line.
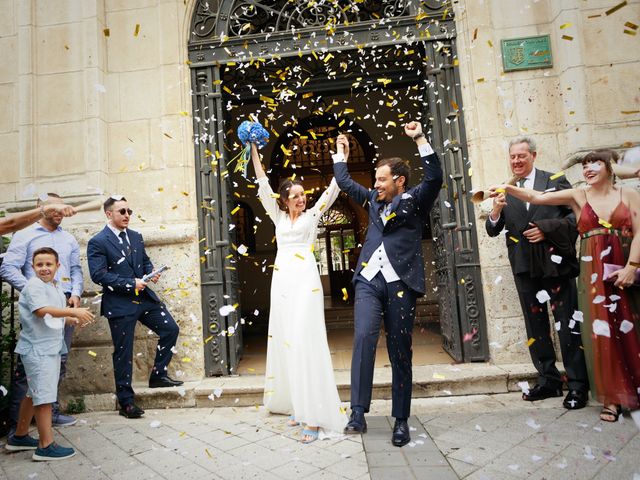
x=156 y=317
x=564 y=301
x=394 y=304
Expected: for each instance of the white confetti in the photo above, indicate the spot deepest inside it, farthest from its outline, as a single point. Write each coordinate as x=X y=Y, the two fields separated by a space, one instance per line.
x=100 y=88
x=626 y=326
x=586 y=258
x=497 y=280
x=226 y=310
x=562 y=465
x=447 y=204
x=594 y=278
x=614 y=297
x=536 y=458
x=605 y=252
x=601 y=327
x=588 y=454
x=556 y=259
x=599 y=299
x=478 y=428
x=543 y=296
x=572 y=323
x=558 y=325
x=532 y=423
x=181 y=391
x=3 y=390
x=578 y=316
x=242 y=249
x=155 y=424
x=524 y=386
x=514 y=467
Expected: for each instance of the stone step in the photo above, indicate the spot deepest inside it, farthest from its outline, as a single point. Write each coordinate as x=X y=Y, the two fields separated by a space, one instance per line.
x=246 y=390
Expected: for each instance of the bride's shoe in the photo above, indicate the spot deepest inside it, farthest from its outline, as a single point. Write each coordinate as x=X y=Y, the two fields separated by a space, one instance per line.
x=292 y=421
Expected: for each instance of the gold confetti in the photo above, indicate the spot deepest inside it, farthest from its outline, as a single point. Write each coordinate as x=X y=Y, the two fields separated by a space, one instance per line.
x=315 y=290
x=616 y=8
x=530 y=341
x=565 y=25
x=400 y=294
x=206 y=450
x=390 y=216
x=604 y=223
x=556 y=175
x=137 y=30
x=629 y=112
x=92 y=353
x=299 y=256
x=186 y=360
x=235 y=210
x=514 y=239
x=480 y=80
x=384 y=81
x=364 y=264
x=631 y=25
x=567 y=37
x=439 y=376
x=106 y=32
x=490 y=43
x=345 y=294
x=629 y=32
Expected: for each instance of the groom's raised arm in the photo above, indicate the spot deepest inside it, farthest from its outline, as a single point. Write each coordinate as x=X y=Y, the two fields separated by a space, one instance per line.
x=427 y=191
x=340 y=172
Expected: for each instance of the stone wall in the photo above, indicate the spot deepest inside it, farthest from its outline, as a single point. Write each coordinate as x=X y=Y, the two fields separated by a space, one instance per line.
x=582 y=102
x=95 y=96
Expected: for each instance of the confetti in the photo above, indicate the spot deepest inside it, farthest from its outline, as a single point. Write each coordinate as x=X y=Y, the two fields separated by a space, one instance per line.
x=345 y=294
x=601 y=327
x=137 y=30
x=92 y=353
x=530 y=341
x=567 y=37
x=524 y=386
x=3 y=390
x=532 y=423
x=614 y=9
x=543 y=296
x=556 y=175
x=565 y=25
x=556 y=259
x=155 y=424
x=626 y=326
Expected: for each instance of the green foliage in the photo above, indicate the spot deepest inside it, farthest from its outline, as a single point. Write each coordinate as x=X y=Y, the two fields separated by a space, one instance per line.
x=76 y=406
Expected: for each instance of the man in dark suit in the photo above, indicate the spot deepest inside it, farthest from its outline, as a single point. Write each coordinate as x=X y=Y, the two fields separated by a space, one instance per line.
x=520 y=220
x=390 y=274
x=118 y=262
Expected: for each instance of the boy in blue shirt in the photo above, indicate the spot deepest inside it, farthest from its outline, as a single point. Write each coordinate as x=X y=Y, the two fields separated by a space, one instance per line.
x=43 y=314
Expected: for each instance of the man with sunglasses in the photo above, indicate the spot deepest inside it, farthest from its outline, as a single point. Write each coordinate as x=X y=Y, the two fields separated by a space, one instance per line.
x=118 y=262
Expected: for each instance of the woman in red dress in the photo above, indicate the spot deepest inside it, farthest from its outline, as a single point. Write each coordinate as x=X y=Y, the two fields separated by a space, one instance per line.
x=609 y=226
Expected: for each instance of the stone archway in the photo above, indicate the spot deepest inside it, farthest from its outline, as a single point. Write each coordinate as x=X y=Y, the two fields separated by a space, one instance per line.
x=242 y=51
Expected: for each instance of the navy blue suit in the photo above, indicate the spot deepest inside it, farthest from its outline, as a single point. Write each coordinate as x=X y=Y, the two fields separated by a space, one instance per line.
x=115 y=267
x=394 y=302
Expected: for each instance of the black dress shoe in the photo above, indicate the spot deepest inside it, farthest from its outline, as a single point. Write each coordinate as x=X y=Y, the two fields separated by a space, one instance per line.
x=400 y=433
x=166 y=381
x=357 y=424
x=540 y=392
x=575 y=399
x=131 y=411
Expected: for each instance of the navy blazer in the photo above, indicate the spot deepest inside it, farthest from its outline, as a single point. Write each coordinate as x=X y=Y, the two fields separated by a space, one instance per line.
x=516 y=218
x=116 y=272
x=402 y=234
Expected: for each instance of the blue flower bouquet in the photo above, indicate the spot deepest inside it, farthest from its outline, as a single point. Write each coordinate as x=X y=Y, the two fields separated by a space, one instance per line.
x=248 y=133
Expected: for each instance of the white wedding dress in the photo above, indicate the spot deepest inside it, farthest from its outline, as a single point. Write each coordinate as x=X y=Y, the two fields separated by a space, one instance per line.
x=299 y=379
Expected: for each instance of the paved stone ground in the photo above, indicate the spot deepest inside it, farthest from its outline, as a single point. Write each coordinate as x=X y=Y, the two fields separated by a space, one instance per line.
x=478 y=437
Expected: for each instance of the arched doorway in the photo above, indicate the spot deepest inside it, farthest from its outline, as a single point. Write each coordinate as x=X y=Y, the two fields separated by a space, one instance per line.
x=290 y=60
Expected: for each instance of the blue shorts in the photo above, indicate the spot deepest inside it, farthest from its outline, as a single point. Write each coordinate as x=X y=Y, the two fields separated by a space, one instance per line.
x=43 y=373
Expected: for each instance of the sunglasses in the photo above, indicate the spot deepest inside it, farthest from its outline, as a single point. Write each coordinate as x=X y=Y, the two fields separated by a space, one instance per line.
x=122 y=211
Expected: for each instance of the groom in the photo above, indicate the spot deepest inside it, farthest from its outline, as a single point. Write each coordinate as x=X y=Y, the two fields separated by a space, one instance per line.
x=390 y=274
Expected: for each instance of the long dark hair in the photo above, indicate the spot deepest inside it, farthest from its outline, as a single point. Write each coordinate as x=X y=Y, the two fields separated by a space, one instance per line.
x=283 y=192
x=604 y=155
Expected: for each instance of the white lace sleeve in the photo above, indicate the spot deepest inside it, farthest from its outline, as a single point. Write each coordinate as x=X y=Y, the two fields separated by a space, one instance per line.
x=326 y=200
x=268 y=199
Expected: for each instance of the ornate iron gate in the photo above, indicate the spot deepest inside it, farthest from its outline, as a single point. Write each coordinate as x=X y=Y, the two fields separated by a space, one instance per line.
x=233 y=34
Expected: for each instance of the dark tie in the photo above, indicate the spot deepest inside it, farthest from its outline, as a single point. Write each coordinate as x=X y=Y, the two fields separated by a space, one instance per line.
x=125 y=242
x=521 y=182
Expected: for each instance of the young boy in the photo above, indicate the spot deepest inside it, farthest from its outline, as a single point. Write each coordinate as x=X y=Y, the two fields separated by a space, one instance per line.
x=43 y=310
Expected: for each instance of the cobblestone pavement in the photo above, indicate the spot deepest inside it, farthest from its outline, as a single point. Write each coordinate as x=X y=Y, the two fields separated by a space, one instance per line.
x=478 y=437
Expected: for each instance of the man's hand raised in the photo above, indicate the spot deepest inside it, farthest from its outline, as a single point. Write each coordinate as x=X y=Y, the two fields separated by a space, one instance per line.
x=412 y=129
x=342 y=145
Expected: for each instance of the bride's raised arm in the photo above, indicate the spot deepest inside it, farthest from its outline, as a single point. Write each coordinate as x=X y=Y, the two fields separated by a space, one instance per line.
x=267 y=197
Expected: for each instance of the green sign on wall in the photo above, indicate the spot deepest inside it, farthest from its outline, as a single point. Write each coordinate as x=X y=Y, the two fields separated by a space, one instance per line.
x=526 y=53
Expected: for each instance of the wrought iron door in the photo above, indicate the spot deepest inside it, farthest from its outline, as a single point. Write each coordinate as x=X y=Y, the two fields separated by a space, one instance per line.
x=232 y=34
x=462 y=313
x=222 y=331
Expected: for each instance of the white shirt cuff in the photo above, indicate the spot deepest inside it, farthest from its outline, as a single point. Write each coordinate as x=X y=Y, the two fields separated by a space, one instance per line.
x=425 y=149
x=338 y=157
x=492 y=221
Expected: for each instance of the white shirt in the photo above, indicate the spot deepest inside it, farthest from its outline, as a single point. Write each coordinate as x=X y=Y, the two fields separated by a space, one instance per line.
x=116 y=231
x=379 y=261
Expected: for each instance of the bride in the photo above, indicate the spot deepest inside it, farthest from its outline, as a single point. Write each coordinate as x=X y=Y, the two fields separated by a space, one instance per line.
x=299 y=379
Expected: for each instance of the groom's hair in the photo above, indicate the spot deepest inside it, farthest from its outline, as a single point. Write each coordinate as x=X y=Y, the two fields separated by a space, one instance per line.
x=398 y=166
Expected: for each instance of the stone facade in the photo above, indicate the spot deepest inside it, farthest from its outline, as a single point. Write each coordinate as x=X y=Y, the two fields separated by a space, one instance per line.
x=95 y=98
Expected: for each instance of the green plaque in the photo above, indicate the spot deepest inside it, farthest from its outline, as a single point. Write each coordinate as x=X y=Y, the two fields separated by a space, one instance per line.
x=526 y=53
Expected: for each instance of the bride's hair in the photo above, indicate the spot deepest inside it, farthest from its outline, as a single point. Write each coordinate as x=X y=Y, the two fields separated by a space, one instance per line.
x=283 y=192
x=604 y=155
